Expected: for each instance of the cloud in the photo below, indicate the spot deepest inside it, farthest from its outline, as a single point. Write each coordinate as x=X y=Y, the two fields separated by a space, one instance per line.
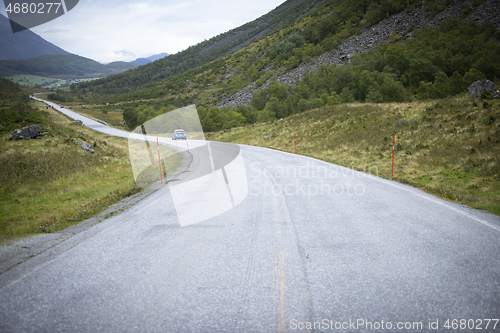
x=54 y=31
x=122 y=55
x=100 y=29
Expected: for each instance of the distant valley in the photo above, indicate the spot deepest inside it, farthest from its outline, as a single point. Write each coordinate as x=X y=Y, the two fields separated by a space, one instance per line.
x=27 y=54
x=62 y=65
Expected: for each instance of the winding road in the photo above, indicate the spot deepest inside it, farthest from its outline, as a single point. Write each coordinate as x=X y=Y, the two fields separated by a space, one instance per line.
x=304 y=246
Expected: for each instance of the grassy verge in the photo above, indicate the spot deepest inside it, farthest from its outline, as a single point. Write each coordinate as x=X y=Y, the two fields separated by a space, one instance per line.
x=450 y=148
x=111 y=114
x=51 y=183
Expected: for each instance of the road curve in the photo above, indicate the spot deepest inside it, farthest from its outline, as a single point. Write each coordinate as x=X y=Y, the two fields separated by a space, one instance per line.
x=313 y=247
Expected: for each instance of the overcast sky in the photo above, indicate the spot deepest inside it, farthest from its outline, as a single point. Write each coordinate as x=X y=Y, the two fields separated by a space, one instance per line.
x=113 y=30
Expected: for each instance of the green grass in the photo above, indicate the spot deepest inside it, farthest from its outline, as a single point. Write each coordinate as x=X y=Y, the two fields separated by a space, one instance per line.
x=42 y=81
x=450 y=148
x=35 y=80
x=51 y=183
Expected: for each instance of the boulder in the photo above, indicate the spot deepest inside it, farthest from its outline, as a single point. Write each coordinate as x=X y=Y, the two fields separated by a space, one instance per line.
x=34 y=131
x=477 y=88
x=85 y=145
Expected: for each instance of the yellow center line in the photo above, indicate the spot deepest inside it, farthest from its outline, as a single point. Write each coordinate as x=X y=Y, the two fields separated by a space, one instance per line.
x=281 y=317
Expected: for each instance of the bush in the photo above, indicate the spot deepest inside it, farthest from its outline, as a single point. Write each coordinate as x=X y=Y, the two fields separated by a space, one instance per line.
x=346 y=96
x=265 y=116
x=374 y=95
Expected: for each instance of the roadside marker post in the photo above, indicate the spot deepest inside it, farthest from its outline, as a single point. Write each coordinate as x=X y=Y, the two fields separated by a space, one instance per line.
x=159 y=160
x=246 y=136
x=393 y=144
x=295 y=146
x=187 y=144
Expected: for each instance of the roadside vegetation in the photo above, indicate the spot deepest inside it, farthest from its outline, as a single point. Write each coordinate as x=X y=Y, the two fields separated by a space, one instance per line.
x=51 y=183
x=448 y=147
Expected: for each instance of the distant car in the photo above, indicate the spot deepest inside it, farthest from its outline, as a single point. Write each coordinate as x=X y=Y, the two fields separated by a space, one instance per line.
x=62 y=106
x=179 y=134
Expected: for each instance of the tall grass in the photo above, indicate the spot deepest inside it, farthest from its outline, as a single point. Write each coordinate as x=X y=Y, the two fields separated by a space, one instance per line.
x=50 y=183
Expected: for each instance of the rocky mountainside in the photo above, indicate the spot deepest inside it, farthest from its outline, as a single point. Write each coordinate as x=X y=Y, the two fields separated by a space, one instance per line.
x=381 y=33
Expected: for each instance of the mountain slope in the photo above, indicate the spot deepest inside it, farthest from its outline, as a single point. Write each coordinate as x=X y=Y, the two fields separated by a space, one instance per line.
x=207 y=51
x=120 y=66
x=147 y=60
x=24 y=44
x=396 y=27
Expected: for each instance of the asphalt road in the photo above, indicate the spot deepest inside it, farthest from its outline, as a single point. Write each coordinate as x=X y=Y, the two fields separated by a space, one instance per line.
x=311 y=247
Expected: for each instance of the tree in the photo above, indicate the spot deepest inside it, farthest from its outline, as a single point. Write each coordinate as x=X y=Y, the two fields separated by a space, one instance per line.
x=234 y=119
x=456 y=84
x=440 y=85
x=426 y=90
x=212 y=121
x=265 y=116
x=248 y=112
x=346 y=96
x=260 y=98
x=421 y=69
x=273 y=105
x=130 y=117
x=397 y=58
x=315 y=103
x=374 y=95
x=392 y=90
x=472 y=76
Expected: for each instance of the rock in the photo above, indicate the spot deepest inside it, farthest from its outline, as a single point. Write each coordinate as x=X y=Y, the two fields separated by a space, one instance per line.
x=477 y=88
x=33 y=131
x=85 y=145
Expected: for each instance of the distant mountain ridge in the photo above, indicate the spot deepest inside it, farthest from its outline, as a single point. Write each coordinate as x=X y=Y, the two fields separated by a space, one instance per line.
x=147 y=60
x=23 y=45
x=62 y=65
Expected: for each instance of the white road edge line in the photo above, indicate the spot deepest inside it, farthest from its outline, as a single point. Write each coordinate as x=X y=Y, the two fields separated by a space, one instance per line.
x=437 y=202
x=399 y=186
